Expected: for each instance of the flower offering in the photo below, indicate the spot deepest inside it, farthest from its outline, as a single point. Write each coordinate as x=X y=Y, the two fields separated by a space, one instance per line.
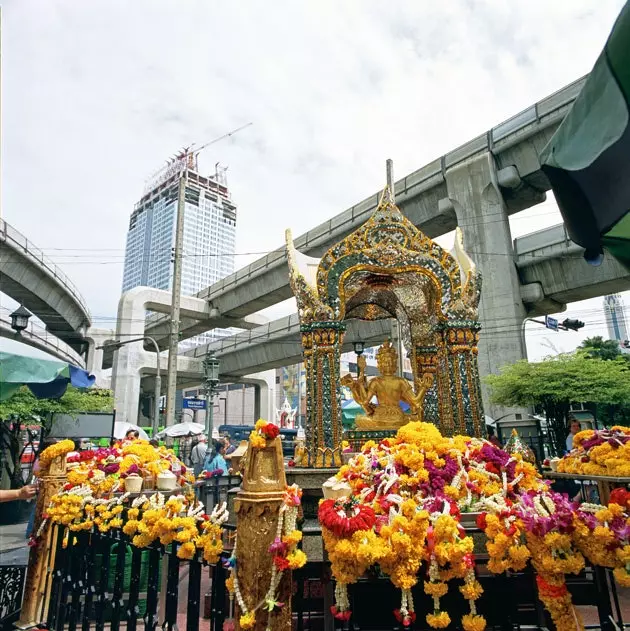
x=599 y=452
x=403 y=511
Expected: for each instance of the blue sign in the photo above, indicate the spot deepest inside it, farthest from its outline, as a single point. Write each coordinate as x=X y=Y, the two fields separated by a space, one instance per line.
x=551 y=323
x=194 y=404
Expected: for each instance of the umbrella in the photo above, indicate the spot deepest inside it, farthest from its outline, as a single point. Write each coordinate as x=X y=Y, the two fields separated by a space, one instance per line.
x=45 y=378
x=121 y=428
x=349 y=410
x=182 y=429
x=587 y=160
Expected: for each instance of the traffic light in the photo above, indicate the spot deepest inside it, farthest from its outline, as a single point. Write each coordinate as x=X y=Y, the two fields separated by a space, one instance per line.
x=626 y=343
x=572 y=325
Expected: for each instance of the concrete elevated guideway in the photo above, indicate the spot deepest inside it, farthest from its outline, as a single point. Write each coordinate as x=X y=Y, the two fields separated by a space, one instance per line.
x=547 y=259
x=430 y=197
x=476 y=187
x=37 y=337
x=550 y=260
x=28 y=277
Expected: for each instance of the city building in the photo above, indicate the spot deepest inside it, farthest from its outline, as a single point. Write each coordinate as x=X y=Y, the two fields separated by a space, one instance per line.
x=615 y=318
x=209 y=234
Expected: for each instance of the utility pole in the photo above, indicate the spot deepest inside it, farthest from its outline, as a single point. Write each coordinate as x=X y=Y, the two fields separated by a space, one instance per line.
x=173 y=340
x=396 y=336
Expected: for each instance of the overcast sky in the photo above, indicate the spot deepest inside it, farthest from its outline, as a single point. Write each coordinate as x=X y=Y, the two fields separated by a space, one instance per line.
x=96 y=95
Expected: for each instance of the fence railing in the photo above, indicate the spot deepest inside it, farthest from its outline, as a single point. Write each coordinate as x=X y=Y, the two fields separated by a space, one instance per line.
x=100 y=581
x=42 y=339
x=12 y=578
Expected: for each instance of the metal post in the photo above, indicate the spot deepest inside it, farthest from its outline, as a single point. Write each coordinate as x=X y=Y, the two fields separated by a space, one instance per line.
x=157 y=393
x=210 y=416
x=171 y=387
x=389 y=172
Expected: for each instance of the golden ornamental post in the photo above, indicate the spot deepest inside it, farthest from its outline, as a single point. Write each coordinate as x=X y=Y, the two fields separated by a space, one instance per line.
x=42 y=555
x=258 y=506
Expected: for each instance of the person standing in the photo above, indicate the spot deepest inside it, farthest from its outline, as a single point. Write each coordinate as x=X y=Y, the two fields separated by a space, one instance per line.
x=198 y=455
x=574 y=428
x=229 y=447
x=492 y=438
x=217 y=462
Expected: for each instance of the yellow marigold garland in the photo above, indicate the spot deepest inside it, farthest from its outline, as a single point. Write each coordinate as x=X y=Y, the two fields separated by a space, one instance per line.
x=57 y=450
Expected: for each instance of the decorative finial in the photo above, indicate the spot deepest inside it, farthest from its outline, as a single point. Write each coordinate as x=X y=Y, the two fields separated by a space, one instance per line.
x=389 y=174
x=387 y=196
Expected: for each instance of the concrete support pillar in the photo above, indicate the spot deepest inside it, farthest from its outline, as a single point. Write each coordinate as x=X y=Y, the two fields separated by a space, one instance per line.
x=475 y=194
x=94 y=364
x=128 y=359
x=126 y=382
x=263 y=386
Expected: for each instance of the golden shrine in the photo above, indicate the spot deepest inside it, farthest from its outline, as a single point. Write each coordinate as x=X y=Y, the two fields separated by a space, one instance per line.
x=389 y=269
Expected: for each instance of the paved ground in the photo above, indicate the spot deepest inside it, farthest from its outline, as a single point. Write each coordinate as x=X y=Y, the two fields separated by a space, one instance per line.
x=13 y=547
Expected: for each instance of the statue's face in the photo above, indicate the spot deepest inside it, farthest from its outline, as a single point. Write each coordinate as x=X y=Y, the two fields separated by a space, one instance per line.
x=386 y=365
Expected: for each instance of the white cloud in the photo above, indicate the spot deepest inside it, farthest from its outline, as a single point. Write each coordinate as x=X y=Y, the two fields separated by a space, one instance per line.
x=97 y=95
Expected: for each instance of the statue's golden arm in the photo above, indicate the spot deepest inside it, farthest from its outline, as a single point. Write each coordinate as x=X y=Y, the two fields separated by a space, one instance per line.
x=416 y=399
x=359 y=392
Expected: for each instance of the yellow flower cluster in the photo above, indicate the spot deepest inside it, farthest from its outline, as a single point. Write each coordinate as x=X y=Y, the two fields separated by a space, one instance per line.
x=610 y=458
x=155 y=460
x=450 y=557
x=554 y=554
x=179 y=519
x=49 y=454
x=504 y=546
x=601 y=545
x=556 y=598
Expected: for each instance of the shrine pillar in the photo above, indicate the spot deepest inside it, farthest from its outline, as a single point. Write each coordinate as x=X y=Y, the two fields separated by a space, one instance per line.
x=425 y=361
x=322 y=343
x=258 y=506
x=42 y=554
x=464 y=390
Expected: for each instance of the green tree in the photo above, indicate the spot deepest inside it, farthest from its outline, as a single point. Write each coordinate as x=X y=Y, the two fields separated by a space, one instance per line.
x=23 y=408
x=599 y=348
x=555 y=383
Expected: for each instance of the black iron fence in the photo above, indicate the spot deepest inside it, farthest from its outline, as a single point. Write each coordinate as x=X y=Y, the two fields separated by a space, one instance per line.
x=101 y=581
x=215 y=490
x=12 y=579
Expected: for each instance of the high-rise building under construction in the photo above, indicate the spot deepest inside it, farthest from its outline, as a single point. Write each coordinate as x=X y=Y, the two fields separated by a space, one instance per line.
x=208 y=239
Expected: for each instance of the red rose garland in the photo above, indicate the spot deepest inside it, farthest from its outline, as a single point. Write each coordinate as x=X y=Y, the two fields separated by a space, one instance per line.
x=344 y=518
x=270 y=431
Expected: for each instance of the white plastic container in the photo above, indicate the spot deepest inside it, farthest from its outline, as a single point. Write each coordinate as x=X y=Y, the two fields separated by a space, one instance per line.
x=166 y=481
x=133 y=484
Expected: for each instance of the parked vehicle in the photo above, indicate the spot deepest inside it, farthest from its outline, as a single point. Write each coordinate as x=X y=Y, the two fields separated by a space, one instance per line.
x=238 y=433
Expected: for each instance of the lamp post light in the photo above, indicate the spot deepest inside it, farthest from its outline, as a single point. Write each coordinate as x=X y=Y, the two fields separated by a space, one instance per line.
x=211 y=374
x=116 y=344
x=359 y=347
x=20 y=318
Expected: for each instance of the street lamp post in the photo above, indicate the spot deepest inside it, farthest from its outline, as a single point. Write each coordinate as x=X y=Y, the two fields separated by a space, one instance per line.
x=116 y=344
x=211 y=374
x=19 y=319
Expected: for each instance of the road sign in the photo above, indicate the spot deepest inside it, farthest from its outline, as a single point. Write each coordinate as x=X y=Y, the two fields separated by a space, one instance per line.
x=551 y=323
x=194 y=404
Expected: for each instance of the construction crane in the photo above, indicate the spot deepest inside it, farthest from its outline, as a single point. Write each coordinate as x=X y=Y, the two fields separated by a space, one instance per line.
x=186 y=158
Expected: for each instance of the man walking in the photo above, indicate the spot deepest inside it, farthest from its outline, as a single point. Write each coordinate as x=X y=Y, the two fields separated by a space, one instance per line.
x=198 y=455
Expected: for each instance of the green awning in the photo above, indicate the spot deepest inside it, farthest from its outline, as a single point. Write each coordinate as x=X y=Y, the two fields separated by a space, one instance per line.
x=587 y=160
x=45 y=378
